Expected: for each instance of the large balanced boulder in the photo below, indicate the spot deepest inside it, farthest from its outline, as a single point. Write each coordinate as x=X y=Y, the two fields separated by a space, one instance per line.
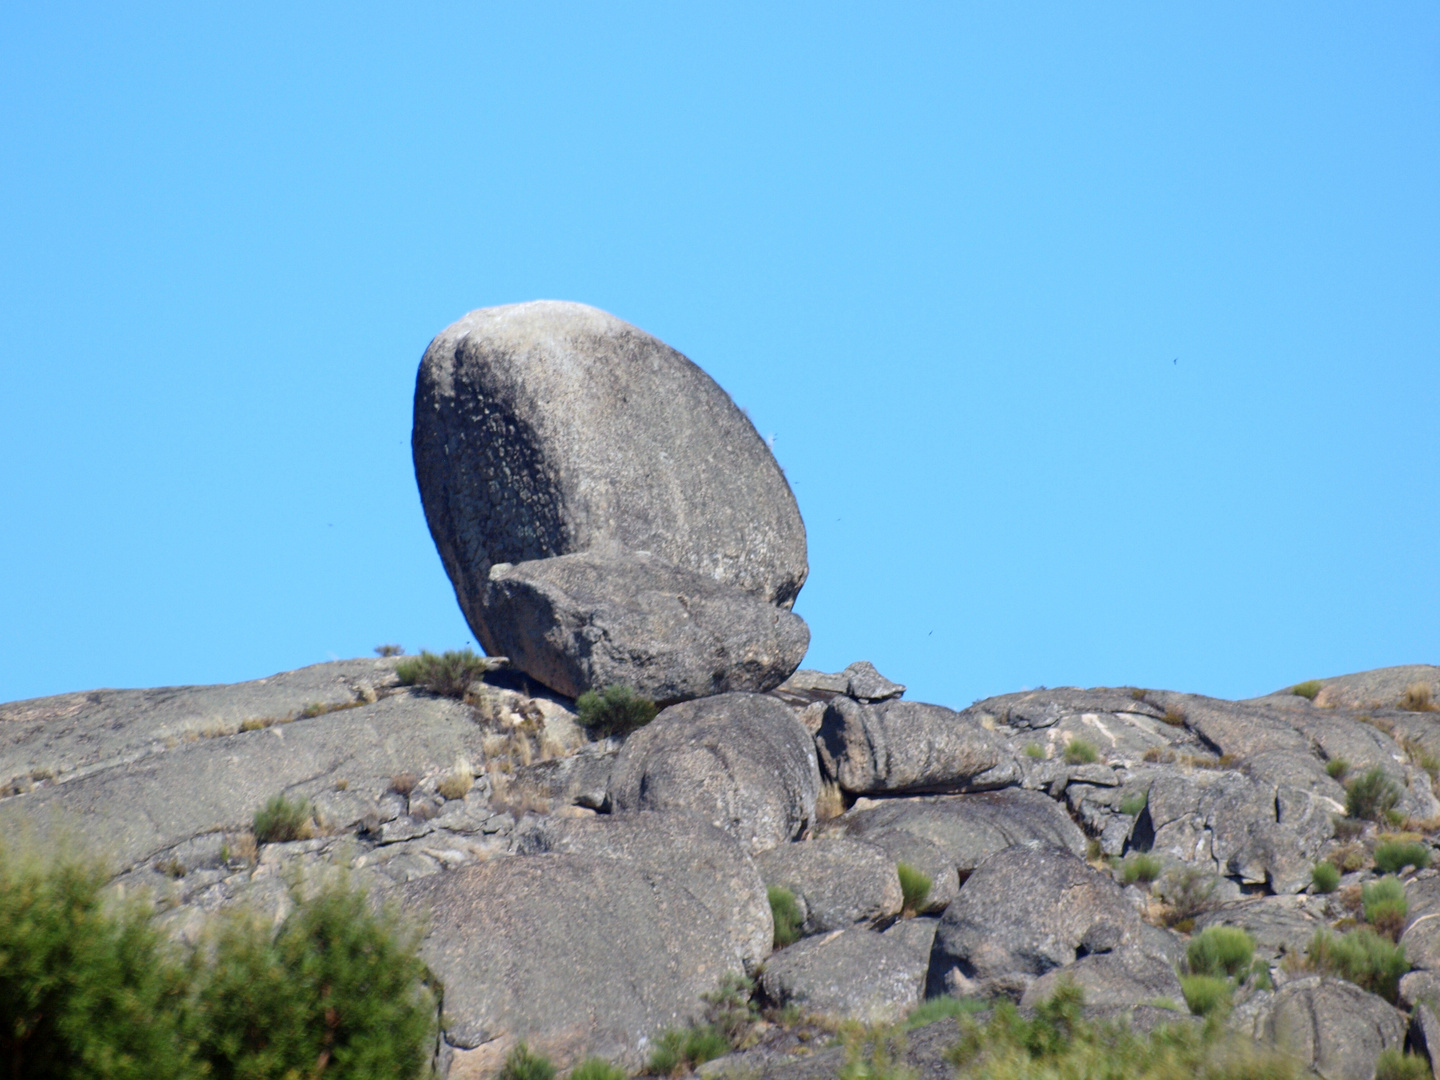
x=587 y=620
x=549 y=428
x=1025 y=911
x=742 y=762
x=573 y=954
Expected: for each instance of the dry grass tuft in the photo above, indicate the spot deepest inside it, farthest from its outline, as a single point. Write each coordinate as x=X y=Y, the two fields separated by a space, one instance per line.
x=458 y=782
x=403 y=783
x=1418 y=698
x=830 y=804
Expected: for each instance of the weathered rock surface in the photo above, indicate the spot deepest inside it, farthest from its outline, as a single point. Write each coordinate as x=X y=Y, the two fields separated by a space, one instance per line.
x=683 y=850
x=854 y=973
x=1332 y=1026
x=836 y=881
x=1371 y=691
x=583 y=621
x=1024 y=912
x=1112 y=980
x=905 y=746
x=530 y=948
x=1277 y=924
x=548 y=428
x=743 y=762
x=943 y=835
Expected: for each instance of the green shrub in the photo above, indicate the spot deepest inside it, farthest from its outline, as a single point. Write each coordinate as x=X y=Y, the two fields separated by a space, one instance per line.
x=942 y=1008
x=689 y=1047
x=1396 y=1065
x=84 y=990
x=1080 y=752
x=1385 y=906
x=1394 y=855
x=524 y=1064
x=1133 y=804
x=281 y=820
x=594 y=1068
x=914 y=887
x=876 y=1052
x=1307 y=689
x=1207 y=995
x=786 y=913
x=1190 y=892
x=1220 y=951
x=1326 y=877
x=616 y=710
x=1058 y=1044
x=1139 y=868
x=729 y=1010
x=336 y=983
x=1361 y=956
x=1372 y=796
x=1034 y=750
x=450 y=673
x=1337 y=768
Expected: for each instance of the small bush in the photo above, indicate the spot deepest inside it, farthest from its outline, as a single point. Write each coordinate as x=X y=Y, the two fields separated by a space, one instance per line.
x=1137 y=694
x=389 y=650
x=1220 y=951
x=403 y=783
x=1361 y=956
x=691 y=1047
x=943 y=1008
x=914 y=887
x=729 y=1010
x=1080 y=752
x=1139 y=868
x=1372 y=796
x=616 y=710
x=830 y=803
x=594 y=1068
x=1190 y=892
x=1394 y=855
x=449 y=673
x=1393 y=1064
x=1325 y=877
x=524 y=1064
x=281 y=820
x=1337 y=768
x=876 y=1052
x=787 y=916
x=1385 y=906
x=1034 y=750
x=1174 y=717
x=1349 y=857
x=1207 y=995
x=457 y=783
x=1307 y=689
x=1133 y=804
x=1418 y=698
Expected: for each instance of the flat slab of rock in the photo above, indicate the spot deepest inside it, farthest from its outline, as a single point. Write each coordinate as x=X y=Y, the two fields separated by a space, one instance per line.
x=1024 y=912
x=1380 y=688
x=1113 y=980
x=905 y=746
x=742 y=762
x=1278 y=924
x=574 y=954
x=685 y=851
x=836 y=881
x=548 y=428
x=849 y=974
x=584 y=621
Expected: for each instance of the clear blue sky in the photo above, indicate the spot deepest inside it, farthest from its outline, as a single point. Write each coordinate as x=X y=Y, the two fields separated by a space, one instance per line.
x=1099 y=342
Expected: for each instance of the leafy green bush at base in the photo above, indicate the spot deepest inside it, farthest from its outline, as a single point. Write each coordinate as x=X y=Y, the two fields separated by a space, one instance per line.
x=690 y=1047
x=1361 y=956
x=524 y=1064
x=1371 y=796
x=1385 y=906
x=1394 y=855
x=450 y=673
x=786 y=913
x=84 y=991
x=1139 y=868
x=914 y=887
x=1394 y=1065
x=616 y=710
x=90 y=990
x=594 y=1068
x=1326 y=877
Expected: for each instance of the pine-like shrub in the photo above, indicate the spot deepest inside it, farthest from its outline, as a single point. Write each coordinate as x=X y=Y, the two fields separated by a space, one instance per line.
x=522 y=1063
x=1361 y=956
x=616 y=710
x=449 y=674
x=282 y=819
x=1385 y=906
x=1394 y=855
x=1222 y=951
x=1371 y=796
x=1326 y=877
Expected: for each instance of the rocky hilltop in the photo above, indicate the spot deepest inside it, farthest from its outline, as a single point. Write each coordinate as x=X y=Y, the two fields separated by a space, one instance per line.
x=608 y=517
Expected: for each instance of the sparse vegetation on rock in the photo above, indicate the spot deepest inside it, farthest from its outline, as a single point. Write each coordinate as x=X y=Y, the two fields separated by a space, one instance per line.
x=450 y=674
x=616 y=710
x=283 y=819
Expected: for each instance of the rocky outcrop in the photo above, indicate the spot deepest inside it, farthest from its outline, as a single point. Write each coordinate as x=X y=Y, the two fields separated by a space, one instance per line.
x=1025 y=911
x=850 y=974
x=743 y=762
x=550 y=428
x=585 y=621
x=1113 y=981
x=1331 y=1025
x=836 y=881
